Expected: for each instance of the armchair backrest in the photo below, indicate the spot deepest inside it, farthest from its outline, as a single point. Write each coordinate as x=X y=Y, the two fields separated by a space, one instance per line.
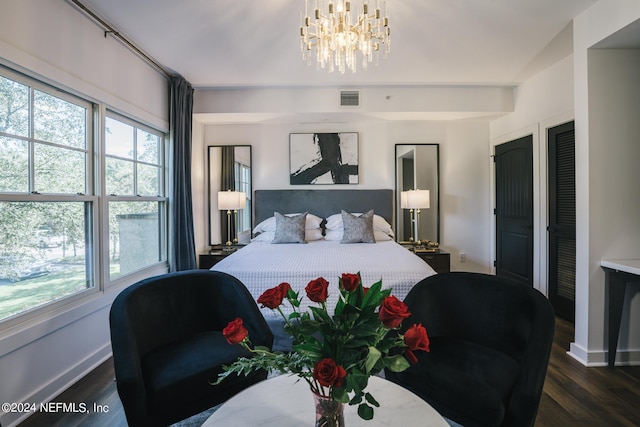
x=167 y=308
x=486 y=309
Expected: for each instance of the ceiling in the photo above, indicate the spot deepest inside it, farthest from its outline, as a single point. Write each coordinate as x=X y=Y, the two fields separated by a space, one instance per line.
x=249 y=43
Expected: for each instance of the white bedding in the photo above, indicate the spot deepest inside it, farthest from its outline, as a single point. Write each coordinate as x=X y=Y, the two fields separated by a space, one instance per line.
x=262 y=265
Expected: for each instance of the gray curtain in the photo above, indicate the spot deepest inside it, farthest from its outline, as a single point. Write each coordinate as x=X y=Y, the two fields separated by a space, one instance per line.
x=182 y=253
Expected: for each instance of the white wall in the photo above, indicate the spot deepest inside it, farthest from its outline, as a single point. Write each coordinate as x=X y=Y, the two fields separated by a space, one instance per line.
x=598 y=176
x=464 y=181
x=544 y=101
x=52 y=41
x=599 y=90
x=614 y=199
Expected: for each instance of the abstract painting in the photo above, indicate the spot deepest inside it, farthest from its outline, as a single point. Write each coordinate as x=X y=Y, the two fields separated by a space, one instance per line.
x=323 y=158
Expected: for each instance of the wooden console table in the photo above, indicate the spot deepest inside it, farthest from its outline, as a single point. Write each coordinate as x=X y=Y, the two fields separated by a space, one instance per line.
x=618 y=273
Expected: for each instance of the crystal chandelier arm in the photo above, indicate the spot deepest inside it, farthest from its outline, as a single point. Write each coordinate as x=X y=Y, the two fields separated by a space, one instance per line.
x=336 y=38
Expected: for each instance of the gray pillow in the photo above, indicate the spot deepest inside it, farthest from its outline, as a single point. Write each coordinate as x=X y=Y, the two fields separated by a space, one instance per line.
x=358 y=229
x=289 y=229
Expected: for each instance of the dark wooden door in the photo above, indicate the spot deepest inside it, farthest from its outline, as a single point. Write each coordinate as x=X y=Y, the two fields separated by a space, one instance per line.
x=562 y=220
x=514 y=209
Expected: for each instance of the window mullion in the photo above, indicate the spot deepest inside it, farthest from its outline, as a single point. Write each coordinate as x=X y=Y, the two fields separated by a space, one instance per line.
x=32 y=167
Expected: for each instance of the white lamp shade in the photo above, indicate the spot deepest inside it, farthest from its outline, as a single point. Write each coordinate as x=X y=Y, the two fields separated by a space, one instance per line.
x=230 y=200
x=403 y=200
x=416 y=199
x=242 y=200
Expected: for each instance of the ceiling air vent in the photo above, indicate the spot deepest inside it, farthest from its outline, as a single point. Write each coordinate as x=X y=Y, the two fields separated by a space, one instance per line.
x=349 y=98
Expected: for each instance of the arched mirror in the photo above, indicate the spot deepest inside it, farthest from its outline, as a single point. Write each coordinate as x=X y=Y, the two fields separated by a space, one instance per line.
x=229 y=169
x=417 y=212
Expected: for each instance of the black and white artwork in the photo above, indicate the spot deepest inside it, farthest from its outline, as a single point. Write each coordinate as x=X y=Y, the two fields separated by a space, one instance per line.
x=323 y=158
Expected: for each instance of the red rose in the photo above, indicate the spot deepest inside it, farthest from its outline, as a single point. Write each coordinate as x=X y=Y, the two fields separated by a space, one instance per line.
x=284 y=289
x=318 y=290
x=235 y=332
x=272 y=298
x=350 y=281
x=392 y=312
x=328 y=374
x=415 y=338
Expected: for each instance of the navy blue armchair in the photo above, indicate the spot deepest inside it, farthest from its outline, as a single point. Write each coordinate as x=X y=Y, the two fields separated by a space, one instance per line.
x=168 y=347
x=490 y=345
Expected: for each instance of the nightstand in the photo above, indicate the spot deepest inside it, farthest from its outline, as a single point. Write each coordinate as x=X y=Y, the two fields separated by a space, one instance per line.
x=216 y=254
x=439 y=260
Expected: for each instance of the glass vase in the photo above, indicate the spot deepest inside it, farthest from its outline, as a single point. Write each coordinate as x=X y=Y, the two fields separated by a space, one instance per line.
x=329 y=412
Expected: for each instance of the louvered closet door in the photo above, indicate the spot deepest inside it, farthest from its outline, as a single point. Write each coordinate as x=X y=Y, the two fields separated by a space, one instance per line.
x=562 y=220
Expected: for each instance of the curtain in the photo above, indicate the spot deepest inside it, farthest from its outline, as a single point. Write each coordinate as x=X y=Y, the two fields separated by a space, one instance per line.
x=182 y=253
x=228 y=182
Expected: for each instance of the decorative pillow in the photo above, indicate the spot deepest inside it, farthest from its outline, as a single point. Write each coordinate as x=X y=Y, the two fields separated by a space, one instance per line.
x=357 y=229
x=309 y=235
x=334 y=222
x=289 y=229
x=269 y=224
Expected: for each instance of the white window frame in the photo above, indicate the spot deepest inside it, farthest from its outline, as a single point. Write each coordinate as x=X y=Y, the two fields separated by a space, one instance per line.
x=98 y=243
x=89 y=196
x=162 y=198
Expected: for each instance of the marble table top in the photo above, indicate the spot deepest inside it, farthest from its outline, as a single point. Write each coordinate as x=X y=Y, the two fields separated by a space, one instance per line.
x=627 y=265
x=286 y=401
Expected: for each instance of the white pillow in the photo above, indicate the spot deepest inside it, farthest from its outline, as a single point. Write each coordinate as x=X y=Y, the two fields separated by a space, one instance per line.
x=336 y=235
x=309 y=235
x=269 y=224
x=334 y=222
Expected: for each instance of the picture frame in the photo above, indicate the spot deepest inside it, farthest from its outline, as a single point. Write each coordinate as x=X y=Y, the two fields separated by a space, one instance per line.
x=323 y=158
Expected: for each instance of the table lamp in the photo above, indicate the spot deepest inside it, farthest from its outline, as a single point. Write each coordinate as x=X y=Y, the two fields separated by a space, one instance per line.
x=242 y=203
x=414 y=200
x=228 y=201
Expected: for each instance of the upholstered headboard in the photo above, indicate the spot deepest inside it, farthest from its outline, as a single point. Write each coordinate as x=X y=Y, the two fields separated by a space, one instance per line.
x=322 y=202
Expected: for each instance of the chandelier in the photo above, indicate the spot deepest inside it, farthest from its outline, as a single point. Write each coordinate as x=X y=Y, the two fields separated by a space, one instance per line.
x=340 y=34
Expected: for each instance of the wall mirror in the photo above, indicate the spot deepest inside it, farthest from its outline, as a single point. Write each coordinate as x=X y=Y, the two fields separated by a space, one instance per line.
x=229 y=168
x=417 y=168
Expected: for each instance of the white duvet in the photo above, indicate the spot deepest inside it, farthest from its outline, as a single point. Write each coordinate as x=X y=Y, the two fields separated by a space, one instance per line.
x=262 y=265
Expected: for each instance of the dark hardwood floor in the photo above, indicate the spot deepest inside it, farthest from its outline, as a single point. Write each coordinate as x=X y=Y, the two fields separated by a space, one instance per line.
x=574 y=396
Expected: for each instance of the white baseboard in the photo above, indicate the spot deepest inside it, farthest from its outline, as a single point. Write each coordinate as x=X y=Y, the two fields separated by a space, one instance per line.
x=600 y=357
x=61 y=383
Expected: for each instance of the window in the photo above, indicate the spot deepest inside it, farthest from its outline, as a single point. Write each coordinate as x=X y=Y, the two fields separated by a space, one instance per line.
x=135 y=188
x=242 y=173
x=68 y=216
x=46 y=205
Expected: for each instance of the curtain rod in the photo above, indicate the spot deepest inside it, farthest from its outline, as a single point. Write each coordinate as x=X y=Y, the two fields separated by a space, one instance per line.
x=108 y=29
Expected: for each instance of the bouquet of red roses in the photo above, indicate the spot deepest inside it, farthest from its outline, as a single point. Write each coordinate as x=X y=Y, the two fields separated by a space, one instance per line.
x=336 y=354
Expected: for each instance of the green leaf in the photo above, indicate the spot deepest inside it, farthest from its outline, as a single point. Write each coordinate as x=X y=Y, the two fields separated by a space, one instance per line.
x=340 y=394
x=372 y=358
x=365 y=411
x=371 y=400
x=339 y=307
x=396 y=363
x=320 y=314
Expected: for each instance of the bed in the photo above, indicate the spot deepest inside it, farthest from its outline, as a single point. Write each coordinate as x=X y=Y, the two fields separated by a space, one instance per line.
x=262 y=265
